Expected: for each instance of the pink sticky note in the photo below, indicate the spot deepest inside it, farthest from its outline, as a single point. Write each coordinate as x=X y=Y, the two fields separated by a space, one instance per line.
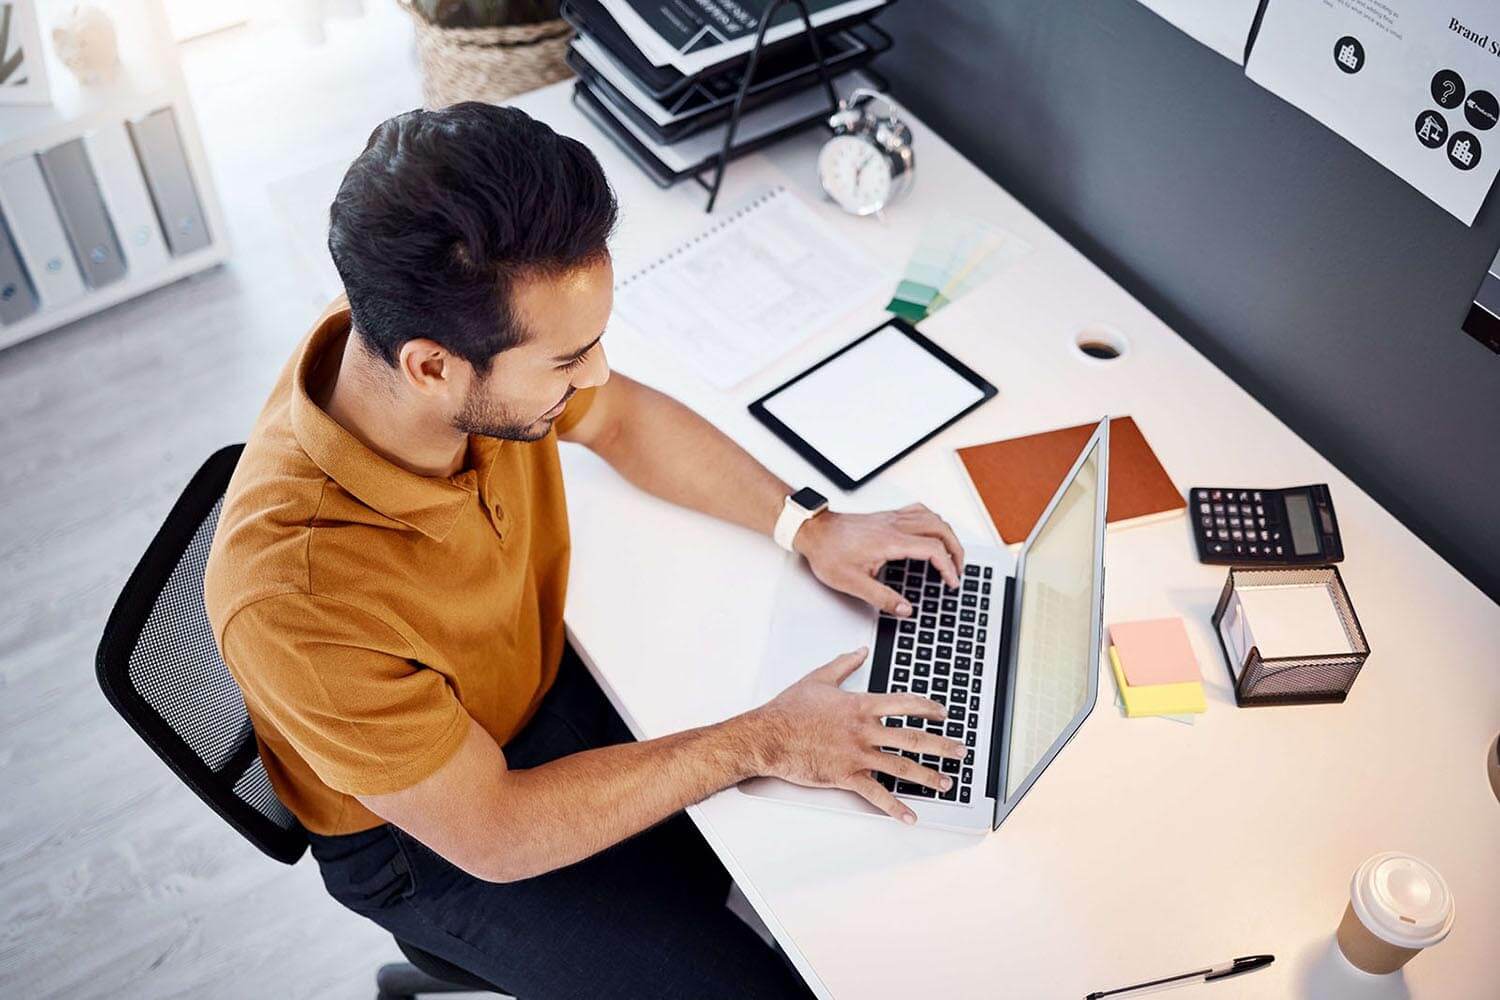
x=1154 y=652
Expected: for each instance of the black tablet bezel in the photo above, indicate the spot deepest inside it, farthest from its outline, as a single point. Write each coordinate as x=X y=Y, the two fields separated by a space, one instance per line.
x=817 y=459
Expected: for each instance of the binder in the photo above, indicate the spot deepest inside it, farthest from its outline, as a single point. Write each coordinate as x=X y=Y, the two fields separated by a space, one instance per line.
x=126 y=197
x=38 y=233
x=158 y=147
x=17 y=296
x=80 y=206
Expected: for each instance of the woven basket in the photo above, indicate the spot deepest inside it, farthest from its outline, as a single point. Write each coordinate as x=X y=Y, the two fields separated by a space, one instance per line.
x=488 y=64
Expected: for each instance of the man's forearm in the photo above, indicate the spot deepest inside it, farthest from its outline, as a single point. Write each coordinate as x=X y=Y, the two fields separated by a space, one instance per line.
x=573 y=807
x=671 y=452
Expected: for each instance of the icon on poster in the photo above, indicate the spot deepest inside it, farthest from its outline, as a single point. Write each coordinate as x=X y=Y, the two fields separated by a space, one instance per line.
x=1482 y=110
x=1348 y=54
x=1447 y=89
x=1432 y=129
x=1463 y=151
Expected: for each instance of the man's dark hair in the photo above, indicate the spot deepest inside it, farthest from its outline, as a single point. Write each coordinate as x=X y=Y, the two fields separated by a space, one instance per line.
x=441 y=213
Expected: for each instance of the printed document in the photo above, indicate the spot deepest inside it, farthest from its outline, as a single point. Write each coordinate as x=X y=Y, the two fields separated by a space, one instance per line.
x=739 y=296
x=1413 y=83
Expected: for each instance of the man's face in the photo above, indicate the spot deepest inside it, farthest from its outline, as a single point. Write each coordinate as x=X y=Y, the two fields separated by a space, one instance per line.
x=527 y=386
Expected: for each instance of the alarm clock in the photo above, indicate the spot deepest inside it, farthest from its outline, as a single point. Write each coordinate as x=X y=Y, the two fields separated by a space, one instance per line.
x=868 y=162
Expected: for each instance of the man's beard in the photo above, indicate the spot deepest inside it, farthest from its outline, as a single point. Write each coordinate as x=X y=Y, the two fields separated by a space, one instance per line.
x=479 y=416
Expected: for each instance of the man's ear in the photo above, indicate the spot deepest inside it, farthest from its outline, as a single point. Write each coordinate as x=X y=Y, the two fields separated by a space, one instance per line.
x=428 y=367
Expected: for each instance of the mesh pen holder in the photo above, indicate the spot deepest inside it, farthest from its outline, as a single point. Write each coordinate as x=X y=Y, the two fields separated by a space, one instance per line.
x=1305 y=679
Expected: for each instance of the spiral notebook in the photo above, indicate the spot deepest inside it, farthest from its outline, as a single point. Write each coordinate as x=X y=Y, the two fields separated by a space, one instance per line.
x=749 y=289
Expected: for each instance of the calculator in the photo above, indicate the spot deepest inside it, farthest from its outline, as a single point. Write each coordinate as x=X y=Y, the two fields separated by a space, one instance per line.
x=1283 y=527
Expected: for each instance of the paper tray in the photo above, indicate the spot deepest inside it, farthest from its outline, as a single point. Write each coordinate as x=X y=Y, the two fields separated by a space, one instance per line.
x=1312 y=676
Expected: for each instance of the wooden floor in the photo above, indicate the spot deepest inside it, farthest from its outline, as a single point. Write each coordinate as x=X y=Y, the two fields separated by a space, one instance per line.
x=116 y=881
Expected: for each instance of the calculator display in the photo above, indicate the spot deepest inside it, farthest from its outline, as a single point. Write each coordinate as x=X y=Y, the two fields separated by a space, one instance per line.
x=1299 y=518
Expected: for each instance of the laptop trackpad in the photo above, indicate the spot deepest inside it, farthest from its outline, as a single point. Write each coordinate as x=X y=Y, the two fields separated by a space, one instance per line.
x=810 y=625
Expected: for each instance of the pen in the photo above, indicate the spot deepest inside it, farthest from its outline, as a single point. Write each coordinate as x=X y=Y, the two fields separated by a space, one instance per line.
x=1235 y=968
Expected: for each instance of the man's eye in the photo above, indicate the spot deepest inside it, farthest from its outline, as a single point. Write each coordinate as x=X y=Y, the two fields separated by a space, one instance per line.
x=576 y=363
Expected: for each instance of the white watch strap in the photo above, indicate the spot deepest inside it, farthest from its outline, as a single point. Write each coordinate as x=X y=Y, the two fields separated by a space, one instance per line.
x=792 y=517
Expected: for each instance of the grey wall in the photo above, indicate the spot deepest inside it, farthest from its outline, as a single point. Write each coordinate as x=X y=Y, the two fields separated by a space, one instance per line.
x=1314 y=277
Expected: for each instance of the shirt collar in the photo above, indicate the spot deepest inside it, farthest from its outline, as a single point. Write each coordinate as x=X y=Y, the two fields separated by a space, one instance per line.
x=429 y=504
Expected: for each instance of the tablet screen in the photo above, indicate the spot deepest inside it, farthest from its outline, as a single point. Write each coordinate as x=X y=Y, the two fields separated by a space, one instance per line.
x=873 y=401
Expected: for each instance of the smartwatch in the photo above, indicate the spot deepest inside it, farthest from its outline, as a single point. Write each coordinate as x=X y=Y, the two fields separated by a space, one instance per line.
x=799 y=508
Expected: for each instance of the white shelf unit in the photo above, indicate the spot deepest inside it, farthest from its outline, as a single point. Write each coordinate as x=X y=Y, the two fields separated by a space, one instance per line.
x=148 y=79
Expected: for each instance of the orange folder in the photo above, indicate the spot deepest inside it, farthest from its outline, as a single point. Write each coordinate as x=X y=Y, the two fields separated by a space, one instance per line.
x=1015 y=479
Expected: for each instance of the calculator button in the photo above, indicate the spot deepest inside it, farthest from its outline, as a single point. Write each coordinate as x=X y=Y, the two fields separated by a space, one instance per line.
x=1237 y=535
x=1278 y=550
x=1217 y=494
x=1265 y=536
x=1254 y=550
x=1259 y=510
x=1223 y=535
x=1203 y=508
x=1239 y=550
x=1257 y=496
x=1217 y=548
x=1221 y=522
x=1234 y=522
x=1218 y=508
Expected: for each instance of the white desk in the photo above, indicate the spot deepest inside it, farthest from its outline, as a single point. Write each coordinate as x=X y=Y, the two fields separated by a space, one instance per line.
x=1149 y=847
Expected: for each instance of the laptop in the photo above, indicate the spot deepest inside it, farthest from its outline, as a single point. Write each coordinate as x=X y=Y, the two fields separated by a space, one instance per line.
x=1013 y=654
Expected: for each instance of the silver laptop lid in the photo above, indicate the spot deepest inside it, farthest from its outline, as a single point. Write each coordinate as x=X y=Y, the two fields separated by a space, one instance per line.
x=1056 y=622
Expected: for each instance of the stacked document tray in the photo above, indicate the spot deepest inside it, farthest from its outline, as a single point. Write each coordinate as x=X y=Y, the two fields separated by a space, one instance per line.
x=672 y=123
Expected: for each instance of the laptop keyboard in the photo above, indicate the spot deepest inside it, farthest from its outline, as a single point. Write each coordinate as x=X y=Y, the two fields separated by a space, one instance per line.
x=937 y=653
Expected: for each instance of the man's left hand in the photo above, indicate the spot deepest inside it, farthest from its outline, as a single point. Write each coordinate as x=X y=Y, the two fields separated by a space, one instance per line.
x=847 y=551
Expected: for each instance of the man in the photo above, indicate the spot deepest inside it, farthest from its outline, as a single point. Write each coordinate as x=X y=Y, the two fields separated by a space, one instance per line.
x=386 y=585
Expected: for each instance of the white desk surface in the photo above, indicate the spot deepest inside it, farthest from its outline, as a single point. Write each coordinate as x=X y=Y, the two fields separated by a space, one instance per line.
x=1149 y=847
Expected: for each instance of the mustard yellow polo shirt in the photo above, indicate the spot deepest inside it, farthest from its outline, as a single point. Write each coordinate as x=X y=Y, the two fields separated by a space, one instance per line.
x=367 y=612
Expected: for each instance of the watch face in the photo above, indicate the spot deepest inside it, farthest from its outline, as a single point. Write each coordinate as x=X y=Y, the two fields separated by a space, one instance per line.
x=809 y=499
x=855 y=173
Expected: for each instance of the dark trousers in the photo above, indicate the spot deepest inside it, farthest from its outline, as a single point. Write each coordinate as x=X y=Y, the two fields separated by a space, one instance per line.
x=644 y=918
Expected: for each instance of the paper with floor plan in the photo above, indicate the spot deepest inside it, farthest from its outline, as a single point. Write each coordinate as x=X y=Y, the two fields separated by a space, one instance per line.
x=1413 y=83
x=1222 y=25
x=752 y=287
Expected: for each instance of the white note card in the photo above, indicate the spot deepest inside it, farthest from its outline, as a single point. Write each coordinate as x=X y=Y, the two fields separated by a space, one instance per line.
x=1293 y=620
x=874 y=400
x=741 y=295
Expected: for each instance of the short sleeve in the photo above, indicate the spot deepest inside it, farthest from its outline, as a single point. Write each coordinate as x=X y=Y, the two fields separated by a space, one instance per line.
x=342 y=689
x=577 y=407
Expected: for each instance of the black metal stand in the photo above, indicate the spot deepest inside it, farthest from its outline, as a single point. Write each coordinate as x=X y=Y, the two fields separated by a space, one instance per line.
x=739 y=100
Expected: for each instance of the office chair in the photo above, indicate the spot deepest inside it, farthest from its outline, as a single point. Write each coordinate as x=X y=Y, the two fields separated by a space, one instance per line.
x=159 y=667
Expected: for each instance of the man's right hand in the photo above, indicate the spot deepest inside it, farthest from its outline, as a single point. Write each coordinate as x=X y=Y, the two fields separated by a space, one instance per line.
x=817 y=734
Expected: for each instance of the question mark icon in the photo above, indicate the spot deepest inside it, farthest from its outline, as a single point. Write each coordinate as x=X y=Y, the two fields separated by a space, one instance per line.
x=1449 y=89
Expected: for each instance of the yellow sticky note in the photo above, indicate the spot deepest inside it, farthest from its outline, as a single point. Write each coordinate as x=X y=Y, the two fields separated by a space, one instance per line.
x=1184 y=698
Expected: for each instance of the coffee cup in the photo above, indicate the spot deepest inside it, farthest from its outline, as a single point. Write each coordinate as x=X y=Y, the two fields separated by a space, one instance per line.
x=1398 y=905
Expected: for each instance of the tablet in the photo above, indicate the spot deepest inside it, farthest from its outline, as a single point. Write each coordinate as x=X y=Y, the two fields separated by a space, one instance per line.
x=869 y=403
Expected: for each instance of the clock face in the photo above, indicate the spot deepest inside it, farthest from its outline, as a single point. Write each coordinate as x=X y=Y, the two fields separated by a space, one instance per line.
x=855 y=174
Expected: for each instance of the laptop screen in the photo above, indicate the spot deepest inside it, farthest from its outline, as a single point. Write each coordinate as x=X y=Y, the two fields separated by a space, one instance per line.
x=1054 y=659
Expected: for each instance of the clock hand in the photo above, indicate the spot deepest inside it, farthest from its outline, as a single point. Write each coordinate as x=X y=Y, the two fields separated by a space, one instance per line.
x=859 y=170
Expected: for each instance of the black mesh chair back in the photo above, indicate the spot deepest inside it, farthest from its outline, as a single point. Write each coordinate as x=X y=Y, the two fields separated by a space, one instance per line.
x=160 y=668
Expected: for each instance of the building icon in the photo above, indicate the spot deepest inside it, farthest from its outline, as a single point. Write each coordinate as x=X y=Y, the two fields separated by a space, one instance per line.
x=1463 y=152
x=1431 y=131
x=1348 y=56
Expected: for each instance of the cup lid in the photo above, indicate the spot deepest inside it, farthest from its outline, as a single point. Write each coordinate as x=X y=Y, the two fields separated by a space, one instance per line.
x=1402 y=899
